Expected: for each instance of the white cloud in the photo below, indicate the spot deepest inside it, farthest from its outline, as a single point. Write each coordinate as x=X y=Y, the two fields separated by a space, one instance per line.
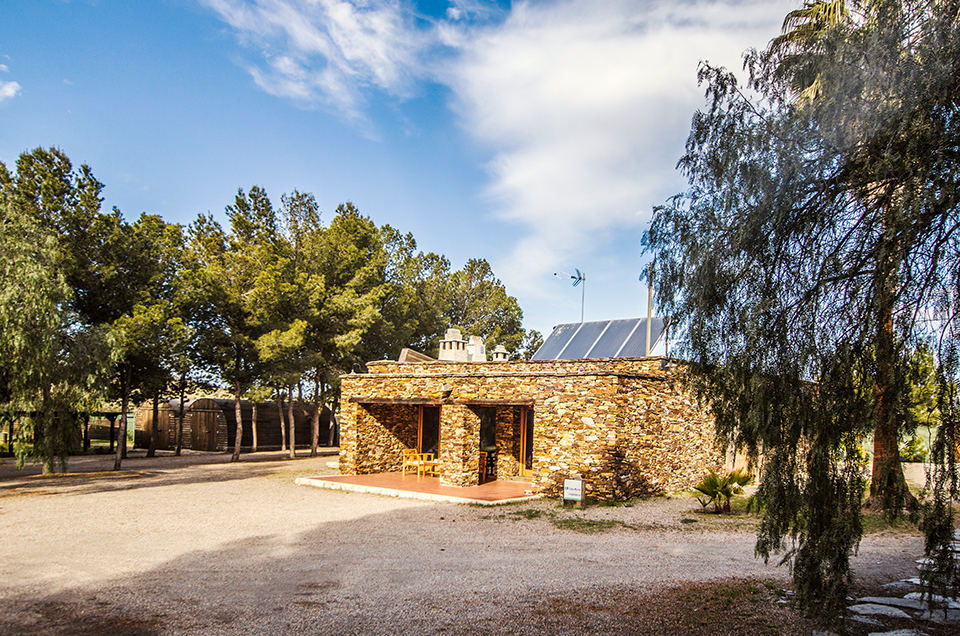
x=585 y=106
x=9 y=90
x=4 y=68
x=326 y=51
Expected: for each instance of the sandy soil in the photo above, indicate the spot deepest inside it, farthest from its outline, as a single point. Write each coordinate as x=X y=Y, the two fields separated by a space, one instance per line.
x=196 y=544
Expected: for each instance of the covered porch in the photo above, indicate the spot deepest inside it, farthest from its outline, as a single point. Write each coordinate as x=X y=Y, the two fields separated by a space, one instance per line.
x=466 y=442
x=395 y=484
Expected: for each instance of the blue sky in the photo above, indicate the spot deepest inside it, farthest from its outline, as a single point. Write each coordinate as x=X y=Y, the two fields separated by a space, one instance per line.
x=536 y=135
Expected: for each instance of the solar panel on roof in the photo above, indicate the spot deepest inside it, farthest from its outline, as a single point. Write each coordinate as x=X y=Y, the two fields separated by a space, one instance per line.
x=555 y=343
x=636 y=345
x=616 y=334
x=601 y=339
x=582 y=342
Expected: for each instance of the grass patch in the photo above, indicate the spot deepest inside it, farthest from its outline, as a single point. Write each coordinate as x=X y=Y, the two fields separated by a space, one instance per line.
x=561 y=520
x=529 y=513
x=721 y=608
x=586 y=526
x=877 y=522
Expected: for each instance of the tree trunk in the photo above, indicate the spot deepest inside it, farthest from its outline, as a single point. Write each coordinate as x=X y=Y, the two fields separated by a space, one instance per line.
x=124 y=403
x=40 y=433
x=888 y=488
x=253 y=428
x=183 y=390
x=283 y=423
x=292 y=421
x=239 y=436
x=86 y=432
x=315 y=421
x=154 y=426
x=333 y=422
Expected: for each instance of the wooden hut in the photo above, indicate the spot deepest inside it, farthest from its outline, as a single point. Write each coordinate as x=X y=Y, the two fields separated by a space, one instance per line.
x=165 y=426
x=205 y=425
x=269 y=436
x=210 y=424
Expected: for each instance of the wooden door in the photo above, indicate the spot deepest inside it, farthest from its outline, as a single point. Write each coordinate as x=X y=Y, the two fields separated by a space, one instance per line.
x=204 y=431
x=526 y=442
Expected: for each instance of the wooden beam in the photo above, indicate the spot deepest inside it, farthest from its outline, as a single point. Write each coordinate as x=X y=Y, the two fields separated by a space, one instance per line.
x=402 y=401
x=477 y=402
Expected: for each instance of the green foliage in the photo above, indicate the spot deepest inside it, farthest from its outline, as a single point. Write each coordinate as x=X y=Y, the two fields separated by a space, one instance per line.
x=719 y=490
x=813 y=256
x=913 y=451
x=276 y=301
x=60 y=359
x=479 y=305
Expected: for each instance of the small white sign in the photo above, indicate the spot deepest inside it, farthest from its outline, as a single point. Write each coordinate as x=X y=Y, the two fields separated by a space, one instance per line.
x=573 y=490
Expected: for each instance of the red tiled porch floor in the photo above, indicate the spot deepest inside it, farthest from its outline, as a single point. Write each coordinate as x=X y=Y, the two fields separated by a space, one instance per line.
x=491 y=493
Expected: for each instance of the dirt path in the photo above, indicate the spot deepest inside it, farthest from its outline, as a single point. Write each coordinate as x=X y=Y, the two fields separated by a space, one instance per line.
x=198 y=545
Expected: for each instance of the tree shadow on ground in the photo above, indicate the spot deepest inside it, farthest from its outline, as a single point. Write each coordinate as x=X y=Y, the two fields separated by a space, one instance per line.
x=428 y=569
x=95 y=477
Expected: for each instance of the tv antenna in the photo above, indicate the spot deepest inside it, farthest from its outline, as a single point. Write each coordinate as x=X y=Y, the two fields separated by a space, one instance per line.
x=580 y=277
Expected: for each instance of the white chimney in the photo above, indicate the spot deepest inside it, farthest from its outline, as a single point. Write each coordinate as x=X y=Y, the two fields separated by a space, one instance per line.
x=476 y=350
x=453 y=347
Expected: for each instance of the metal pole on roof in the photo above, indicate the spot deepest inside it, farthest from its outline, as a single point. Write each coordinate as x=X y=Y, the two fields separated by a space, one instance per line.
x=583 y=293
x=579 y=278
x=649 y=306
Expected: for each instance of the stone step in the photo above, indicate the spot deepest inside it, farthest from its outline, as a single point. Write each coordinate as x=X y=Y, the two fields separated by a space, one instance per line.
x=892 y=601
x=937 y=600
x=941 y=617
x=873 y=609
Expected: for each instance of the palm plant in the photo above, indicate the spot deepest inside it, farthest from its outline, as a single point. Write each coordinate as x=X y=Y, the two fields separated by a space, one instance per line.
x=719 y=490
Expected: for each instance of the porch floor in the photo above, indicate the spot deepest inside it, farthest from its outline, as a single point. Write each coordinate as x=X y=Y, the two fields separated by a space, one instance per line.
x=492 y=493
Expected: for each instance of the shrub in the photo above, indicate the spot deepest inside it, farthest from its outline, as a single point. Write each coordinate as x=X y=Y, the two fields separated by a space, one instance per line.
x=718 y=490
x=913 y=451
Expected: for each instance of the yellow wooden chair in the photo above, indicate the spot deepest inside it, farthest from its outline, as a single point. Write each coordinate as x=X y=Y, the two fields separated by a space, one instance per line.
x=411 y=460
x=428 y=465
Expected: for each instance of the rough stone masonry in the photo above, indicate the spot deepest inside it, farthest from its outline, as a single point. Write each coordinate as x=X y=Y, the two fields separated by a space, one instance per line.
x=625 y=426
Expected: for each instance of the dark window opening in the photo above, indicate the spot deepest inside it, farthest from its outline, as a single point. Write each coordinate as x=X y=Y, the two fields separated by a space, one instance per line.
x=488 y=429
x=430 y=431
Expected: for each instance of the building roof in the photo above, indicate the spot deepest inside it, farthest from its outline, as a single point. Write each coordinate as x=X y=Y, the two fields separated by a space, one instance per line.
x=602 y=339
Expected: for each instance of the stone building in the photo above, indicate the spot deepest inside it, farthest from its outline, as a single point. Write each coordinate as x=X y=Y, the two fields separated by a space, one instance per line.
x=622 y=424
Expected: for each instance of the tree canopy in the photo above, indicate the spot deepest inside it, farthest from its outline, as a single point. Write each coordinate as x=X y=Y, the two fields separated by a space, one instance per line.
x=812 y=258
x=100 y=308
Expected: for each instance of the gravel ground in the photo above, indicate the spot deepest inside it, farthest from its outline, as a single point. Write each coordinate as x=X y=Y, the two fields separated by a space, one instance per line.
x=197 y=545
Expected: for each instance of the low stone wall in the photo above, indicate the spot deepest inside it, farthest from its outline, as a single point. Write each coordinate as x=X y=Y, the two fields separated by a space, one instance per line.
x=624 y=425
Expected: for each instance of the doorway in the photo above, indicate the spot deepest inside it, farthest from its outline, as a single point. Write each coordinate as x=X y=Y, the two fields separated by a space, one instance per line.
x=488 y=443
x=428 y=431
x=526 y=442
x=203 y=429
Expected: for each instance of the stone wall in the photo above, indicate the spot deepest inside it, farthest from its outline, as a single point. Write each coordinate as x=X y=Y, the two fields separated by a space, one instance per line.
x=508 y=442
x=624 y=425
